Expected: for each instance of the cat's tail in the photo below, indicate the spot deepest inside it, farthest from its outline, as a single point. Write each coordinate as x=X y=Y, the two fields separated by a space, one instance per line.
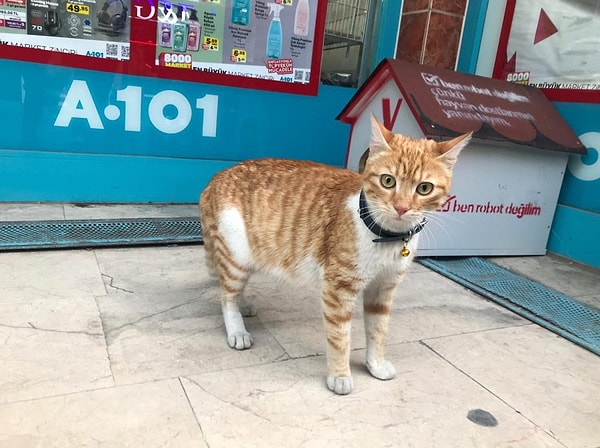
x=209 y=252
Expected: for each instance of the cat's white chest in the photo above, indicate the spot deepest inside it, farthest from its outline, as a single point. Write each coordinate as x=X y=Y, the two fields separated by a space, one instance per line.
x=378 y=259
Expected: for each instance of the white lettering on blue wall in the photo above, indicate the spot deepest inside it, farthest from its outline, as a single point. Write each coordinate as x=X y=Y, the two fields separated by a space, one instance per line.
x=132 y=97
x=209 y=104
x=79 y=94
x=157 y=107
x=79 y=104
x=587 y=168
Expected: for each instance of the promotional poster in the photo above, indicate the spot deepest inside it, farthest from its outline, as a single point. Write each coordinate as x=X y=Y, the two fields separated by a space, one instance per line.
x=251 y=38
x=552 y=45
x=98 y=28
x=260 y=44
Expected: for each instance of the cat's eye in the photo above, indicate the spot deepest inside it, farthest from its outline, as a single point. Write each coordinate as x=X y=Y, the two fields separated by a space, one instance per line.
x=424 y=188
x=387 y=181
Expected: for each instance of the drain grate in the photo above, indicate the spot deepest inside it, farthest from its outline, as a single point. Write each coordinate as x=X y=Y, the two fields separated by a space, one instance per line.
x=24 y=235
x=545 y=306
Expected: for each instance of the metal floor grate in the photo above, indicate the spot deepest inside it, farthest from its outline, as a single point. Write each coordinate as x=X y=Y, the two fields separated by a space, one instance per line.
x=545 y=306
x=24 y=235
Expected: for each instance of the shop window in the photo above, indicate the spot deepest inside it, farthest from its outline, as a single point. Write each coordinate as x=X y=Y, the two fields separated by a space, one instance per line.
x=430 y=32
x=344 y=48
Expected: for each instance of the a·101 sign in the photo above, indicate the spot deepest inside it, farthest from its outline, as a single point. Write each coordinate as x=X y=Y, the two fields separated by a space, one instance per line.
x=80 y=104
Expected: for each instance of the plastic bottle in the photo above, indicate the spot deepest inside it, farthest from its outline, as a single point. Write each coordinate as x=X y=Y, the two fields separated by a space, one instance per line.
x=180 y=33
x=166 y=35
x=302 y=18
x=194 y=30
x=275 y=33
x=166 y=32
x=240 y=12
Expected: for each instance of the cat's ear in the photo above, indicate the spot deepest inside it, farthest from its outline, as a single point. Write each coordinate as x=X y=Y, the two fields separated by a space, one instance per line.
x=450 y=149
x=362 y=163
x=380 y=136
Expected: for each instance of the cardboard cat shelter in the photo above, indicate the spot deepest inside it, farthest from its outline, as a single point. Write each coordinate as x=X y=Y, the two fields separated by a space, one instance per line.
x=506 y=182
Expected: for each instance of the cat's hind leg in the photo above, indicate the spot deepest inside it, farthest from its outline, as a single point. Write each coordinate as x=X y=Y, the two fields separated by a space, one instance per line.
x=209 y=229
x=233 y=279
x=233 y=264
x=377 y=303
x=209 y=258
x=237 y=335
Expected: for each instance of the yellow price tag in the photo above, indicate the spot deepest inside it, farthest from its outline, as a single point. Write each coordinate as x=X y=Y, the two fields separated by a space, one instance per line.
x=76 y=8
x=210 y=43
x=238 y=55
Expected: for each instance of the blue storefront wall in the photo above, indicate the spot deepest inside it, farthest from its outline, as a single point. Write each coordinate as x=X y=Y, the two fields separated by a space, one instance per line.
x=576 y=226
x=86 y=136
x=77 y=135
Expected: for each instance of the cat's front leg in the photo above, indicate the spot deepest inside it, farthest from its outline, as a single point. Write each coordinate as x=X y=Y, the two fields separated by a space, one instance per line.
x=377 y=303
x=338 y=300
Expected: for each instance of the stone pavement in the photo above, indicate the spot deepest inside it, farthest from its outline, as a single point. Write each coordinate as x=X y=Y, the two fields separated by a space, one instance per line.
x=126 y=347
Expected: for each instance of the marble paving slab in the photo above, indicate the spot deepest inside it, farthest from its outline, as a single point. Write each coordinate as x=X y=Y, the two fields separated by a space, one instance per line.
x=155 y=414
x=287 y=404
x=549 y=380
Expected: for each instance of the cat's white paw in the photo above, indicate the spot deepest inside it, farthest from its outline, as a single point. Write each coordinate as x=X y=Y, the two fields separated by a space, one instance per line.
x=382 y=371
x=240 y=341
x=247 y=309
x=341 y=385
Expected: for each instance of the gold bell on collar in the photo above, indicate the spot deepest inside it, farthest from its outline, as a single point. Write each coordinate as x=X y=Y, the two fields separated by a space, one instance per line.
x=405 y=252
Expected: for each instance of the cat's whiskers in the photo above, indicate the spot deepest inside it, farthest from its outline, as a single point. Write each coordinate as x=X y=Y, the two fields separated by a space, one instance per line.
x=384 y=220
x=446 y=217
x=376 y=213
x=435 y=218
x=429 y=236
x=440 y=223
x=387 y=220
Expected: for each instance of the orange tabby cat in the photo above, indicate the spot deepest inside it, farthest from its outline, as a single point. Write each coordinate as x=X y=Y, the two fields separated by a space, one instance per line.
x=354 y=233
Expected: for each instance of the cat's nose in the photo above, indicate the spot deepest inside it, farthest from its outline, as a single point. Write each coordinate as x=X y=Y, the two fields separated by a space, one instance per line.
x=401 y=210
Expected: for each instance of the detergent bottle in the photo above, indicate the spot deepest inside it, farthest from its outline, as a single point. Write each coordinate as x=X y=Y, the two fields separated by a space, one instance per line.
x=166 y=31
x=302 y=18
x=194 y=32
x=275 y=33
x=180 y=32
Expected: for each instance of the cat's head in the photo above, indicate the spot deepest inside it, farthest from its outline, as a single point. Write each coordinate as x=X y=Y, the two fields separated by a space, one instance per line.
x=404 y=178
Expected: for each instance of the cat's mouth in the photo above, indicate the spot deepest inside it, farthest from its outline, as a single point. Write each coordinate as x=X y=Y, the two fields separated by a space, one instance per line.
x=401 y=222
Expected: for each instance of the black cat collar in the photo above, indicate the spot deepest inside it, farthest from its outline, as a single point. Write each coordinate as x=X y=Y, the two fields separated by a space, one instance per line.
x=386 y=236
